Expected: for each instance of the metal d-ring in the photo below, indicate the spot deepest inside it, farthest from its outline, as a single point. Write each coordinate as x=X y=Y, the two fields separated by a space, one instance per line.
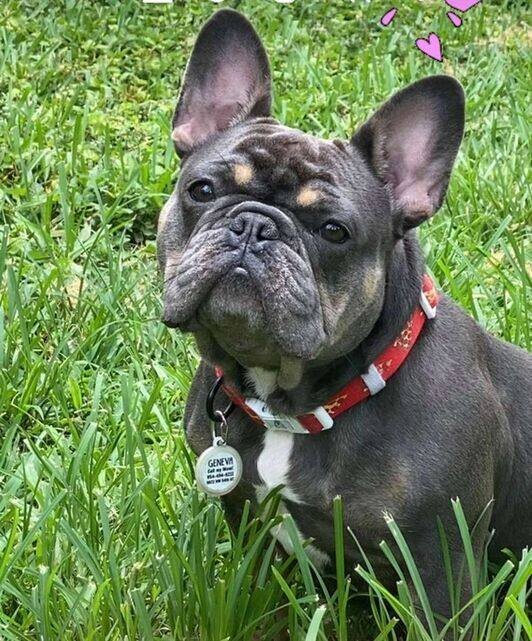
x=218 y=416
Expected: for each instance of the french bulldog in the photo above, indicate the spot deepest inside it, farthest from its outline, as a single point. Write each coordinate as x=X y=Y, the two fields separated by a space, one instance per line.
x=294 y=262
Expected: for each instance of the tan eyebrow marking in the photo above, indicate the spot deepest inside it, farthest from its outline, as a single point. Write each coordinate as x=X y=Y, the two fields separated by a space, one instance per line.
x=242 y=173
x=308 y=196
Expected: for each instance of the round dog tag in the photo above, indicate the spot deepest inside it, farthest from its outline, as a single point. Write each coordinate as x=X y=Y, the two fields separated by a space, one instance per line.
x=218 y=469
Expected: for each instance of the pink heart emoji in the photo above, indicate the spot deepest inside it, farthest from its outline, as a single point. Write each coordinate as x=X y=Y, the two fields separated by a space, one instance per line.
x=431 y=47
x=462 y=5
x=388 y=17
x=456 y=20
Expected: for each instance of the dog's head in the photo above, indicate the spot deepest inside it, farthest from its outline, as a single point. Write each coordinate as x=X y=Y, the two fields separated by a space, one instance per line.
x=275 y=244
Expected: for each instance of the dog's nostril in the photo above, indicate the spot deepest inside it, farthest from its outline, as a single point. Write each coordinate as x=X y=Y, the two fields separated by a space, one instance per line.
x=267 y=231
x=237 y=225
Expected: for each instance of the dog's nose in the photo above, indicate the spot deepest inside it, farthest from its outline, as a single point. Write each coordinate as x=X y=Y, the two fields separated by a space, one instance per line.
x=253 y=228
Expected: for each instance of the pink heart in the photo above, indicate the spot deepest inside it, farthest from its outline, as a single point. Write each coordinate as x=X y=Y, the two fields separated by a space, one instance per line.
x=388 y=17
x=431 y=47
x=462 y=5
x=456 y=20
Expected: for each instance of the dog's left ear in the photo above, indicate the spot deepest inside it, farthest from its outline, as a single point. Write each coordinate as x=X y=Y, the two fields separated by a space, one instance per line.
x=411 y=144
x=226 y=81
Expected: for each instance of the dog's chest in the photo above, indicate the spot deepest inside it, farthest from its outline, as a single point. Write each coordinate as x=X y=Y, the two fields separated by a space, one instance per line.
x=275 y=468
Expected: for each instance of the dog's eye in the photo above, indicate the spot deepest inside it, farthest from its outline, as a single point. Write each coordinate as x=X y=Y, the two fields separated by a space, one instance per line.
x=202 y=191
x=334 y=232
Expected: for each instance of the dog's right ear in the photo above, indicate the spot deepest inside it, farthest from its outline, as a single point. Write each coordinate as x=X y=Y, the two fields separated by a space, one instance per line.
x=227 y=80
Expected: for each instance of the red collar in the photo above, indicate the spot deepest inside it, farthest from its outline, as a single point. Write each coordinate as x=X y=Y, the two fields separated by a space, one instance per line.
x=357 y=390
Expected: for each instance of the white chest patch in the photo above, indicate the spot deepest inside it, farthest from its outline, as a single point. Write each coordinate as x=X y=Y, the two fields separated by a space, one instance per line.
x=273 y=465
x=263 y=380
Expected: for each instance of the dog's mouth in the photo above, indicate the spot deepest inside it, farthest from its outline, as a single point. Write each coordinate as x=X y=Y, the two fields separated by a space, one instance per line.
x=247 y=279
x=235 y=315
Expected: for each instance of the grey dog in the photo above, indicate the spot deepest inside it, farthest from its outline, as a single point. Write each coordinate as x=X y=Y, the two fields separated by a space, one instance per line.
x=294 y=262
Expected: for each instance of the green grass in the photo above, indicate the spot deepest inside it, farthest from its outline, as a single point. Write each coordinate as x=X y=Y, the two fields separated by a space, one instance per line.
x=102 y=536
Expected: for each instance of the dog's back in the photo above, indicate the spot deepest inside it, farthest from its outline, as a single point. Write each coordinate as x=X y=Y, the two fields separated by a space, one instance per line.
x=510 y=370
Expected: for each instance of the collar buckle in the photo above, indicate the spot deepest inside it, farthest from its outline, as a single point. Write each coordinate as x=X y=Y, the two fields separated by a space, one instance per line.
x=428 y=309
x=373 y=380
x=323 y=417
x=283 y=422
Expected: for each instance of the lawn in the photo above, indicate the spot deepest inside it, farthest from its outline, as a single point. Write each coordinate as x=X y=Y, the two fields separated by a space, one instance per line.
x=102 y=534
